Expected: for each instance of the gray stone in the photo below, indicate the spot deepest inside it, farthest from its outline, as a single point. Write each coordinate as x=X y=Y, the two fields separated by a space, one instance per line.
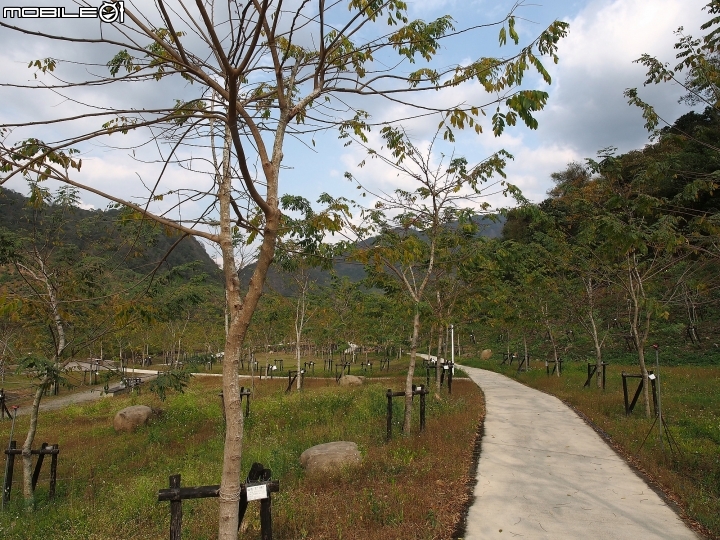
x=130 y=418
x=330 y=457
x=350 y=380
x=486 y=354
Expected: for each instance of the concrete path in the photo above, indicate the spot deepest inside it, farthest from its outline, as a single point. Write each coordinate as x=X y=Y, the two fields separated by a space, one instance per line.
x=544 y=473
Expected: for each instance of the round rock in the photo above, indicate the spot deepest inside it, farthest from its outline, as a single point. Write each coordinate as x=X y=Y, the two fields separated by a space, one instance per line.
x=130 y=418
x=486 y=354
x=330 y=457
x=350 y=380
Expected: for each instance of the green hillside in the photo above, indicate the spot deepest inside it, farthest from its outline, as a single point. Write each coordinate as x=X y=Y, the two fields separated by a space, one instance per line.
x=136 y=247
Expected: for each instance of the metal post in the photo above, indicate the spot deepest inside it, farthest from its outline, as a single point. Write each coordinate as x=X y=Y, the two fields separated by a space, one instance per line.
x=452 y=344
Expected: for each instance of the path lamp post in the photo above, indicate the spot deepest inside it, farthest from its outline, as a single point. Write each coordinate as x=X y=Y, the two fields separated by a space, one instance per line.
x=452 y=344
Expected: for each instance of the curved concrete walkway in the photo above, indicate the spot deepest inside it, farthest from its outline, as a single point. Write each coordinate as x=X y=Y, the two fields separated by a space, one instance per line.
x=544 y=473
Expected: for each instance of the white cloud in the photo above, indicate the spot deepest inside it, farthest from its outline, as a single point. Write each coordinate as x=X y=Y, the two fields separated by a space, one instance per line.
x=587 y=110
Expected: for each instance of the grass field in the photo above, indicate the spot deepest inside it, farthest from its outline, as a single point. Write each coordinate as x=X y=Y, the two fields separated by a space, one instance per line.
x=690 y=398
x=413 y=487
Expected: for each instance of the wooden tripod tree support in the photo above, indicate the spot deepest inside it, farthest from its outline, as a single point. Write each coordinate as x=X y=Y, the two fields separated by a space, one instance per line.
x=629 y=407
x=557 y=365
x=448 y=367
x=292 y=376
x=416 y=391
x=258 y=486
x=311 y=366
x=385 y=364
x=343 y=368
x=328 y=364
x=45 y=449
x=244 y=392
x=524 y=361
x=428 y=368
x=592 y=369
x=3 y=405
x=270 y=370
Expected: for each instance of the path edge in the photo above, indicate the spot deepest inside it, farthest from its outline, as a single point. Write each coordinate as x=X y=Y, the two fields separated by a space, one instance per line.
x=665 y=495
x=472 y=481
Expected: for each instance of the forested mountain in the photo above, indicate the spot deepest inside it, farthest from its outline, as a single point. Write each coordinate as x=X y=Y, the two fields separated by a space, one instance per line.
x=138 y=249
x=625 y=249
x=280 y=282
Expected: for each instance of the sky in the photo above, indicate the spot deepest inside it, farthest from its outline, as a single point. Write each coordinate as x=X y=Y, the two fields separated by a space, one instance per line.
x=586 y=110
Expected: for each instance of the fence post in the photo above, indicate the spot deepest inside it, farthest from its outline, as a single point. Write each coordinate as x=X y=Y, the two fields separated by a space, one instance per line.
x=38 y=465
x=53 y=470
x=175 y=511
x=625 y=394
x=266 y=518
x=389 y=413
x=423 y=391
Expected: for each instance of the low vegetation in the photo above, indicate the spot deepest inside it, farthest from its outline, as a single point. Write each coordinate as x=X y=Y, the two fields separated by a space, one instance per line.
x=412 y=487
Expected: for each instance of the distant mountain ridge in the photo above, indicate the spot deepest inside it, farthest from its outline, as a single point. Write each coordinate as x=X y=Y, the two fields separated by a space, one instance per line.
x=281 y=283
x=97 y=231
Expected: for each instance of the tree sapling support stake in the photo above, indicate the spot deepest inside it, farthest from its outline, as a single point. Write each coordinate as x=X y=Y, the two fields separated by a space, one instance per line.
x=9 y=461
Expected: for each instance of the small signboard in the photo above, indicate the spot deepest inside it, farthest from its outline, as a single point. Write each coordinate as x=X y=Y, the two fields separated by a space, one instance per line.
x=256 y=492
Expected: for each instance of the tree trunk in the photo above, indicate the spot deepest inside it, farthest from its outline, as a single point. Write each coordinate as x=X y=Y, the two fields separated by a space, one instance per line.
x=439 y=355
x=411 y=372
x=593 y=329
x=28 y=491
x=552 y=339
x=598 y=349
x=636 y=296
x=240 y=312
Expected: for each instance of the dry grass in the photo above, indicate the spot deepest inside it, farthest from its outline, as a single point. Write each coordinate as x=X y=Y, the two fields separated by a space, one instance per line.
x=413 y=487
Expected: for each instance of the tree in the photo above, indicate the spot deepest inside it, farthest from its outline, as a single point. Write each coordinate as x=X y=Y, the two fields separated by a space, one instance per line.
x=54 y=288
x=413 y=227
x=260 y=73
x=303 y=251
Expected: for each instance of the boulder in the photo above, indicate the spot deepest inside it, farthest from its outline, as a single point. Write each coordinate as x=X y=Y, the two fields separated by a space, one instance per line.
x=130 y=418
x=350 y=380
x=330 y=457
x=486 y=354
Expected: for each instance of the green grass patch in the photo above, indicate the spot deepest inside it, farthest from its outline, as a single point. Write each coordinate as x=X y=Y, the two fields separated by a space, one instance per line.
x=108 y=482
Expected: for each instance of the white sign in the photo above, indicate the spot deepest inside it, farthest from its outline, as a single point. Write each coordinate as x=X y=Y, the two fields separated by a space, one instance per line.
x=651 y=376
x=255 y=493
